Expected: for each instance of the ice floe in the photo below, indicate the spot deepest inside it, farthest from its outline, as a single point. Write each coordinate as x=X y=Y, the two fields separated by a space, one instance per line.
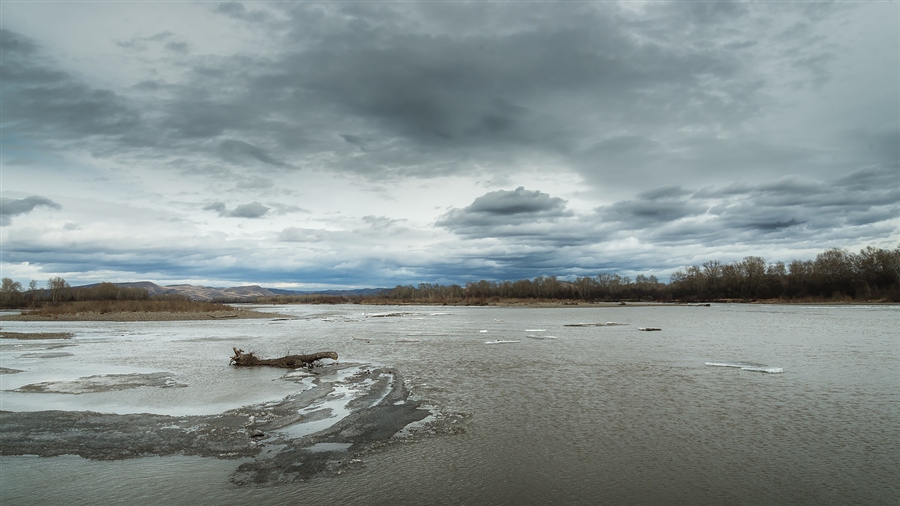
x=746 y=366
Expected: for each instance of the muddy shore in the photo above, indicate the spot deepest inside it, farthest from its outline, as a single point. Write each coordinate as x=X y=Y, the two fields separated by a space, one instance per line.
x=274 y=442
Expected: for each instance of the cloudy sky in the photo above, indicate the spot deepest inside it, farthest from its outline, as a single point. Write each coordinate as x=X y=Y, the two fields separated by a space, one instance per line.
x=366 y=144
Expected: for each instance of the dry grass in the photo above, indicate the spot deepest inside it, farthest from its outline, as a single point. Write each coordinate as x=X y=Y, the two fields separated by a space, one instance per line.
x=132 y=306
x=35 y=335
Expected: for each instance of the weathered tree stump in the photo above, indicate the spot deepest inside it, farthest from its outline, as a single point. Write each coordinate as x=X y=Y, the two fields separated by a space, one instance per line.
x=289 y=362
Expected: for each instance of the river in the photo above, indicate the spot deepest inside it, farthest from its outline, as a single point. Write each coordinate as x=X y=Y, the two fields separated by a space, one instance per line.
x=727 y=404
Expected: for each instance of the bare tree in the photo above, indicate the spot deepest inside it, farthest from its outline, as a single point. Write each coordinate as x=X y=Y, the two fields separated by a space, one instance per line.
x=56 y=285
x=10 y=291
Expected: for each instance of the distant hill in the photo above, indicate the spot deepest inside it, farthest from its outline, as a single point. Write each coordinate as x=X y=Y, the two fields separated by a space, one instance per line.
x=237 y=293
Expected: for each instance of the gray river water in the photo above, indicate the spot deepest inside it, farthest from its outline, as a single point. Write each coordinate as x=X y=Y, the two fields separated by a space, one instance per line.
x=729 y=404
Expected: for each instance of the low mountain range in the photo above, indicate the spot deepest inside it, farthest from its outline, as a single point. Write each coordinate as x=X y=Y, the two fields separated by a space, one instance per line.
x=237 y=293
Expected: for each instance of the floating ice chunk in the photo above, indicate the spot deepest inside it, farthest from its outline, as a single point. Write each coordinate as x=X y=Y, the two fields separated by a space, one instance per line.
x=607 y=324
x=770 y=370
x=745 y=366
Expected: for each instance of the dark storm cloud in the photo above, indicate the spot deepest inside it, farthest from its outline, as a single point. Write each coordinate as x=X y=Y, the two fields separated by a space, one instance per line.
x=237 y=10
x=452 y=93
x=512 y=235
x=41 y=101
x=653 y=208
x=238 y=151
x=251 y=210
x=141 y=43
x=518 y=201
x=787 y=209
x=444 y=81
x=505 y=212
x=49 y=106
x=193 y=257
x=356 y=141
x=177 y=47
x=664 y=192
x=13 y=207
x=428 y=89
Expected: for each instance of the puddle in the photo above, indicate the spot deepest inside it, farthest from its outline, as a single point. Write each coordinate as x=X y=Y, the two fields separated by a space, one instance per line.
x=328 y=447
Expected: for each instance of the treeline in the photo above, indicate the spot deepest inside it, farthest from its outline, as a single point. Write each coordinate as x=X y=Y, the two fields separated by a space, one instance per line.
x=603 y=287
x=311 y=298
x=873 y=274
x=58 y=291
x=835 y=275
x=60 y=297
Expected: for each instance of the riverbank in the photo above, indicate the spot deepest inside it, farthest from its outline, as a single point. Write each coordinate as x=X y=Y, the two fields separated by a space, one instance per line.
x=556 y=304
x=139 y=316
x=247 y=313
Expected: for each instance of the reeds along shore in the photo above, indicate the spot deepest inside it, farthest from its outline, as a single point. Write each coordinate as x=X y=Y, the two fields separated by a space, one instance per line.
x=131 y=306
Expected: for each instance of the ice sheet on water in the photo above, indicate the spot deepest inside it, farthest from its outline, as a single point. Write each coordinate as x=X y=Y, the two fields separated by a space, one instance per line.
x=388 y=314
x=104 y=383
x=607 y=324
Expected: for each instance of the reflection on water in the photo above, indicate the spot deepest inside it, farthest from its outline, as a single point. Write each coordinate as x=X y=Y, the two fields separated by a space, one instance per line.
x=601 y=414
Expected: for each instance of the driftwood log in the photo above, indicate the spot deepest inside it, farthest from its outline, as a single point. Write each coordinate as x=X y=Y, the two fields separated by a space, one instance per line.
x=288 y=362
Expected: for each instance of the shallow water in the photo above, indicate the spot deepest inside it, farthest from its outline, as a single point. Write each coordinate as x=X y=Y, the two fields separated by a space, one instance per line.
x=806 y=412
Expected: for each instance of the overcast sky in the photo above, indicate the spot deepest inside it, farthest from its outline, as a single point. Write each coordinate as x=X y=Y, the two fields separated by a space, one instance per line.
x=369 y=144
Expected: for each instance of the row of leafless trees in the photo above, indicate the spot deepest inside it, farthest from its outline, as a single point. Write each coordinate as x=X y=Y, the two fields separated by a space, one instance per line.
x=58 y=290
x=836 y=274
